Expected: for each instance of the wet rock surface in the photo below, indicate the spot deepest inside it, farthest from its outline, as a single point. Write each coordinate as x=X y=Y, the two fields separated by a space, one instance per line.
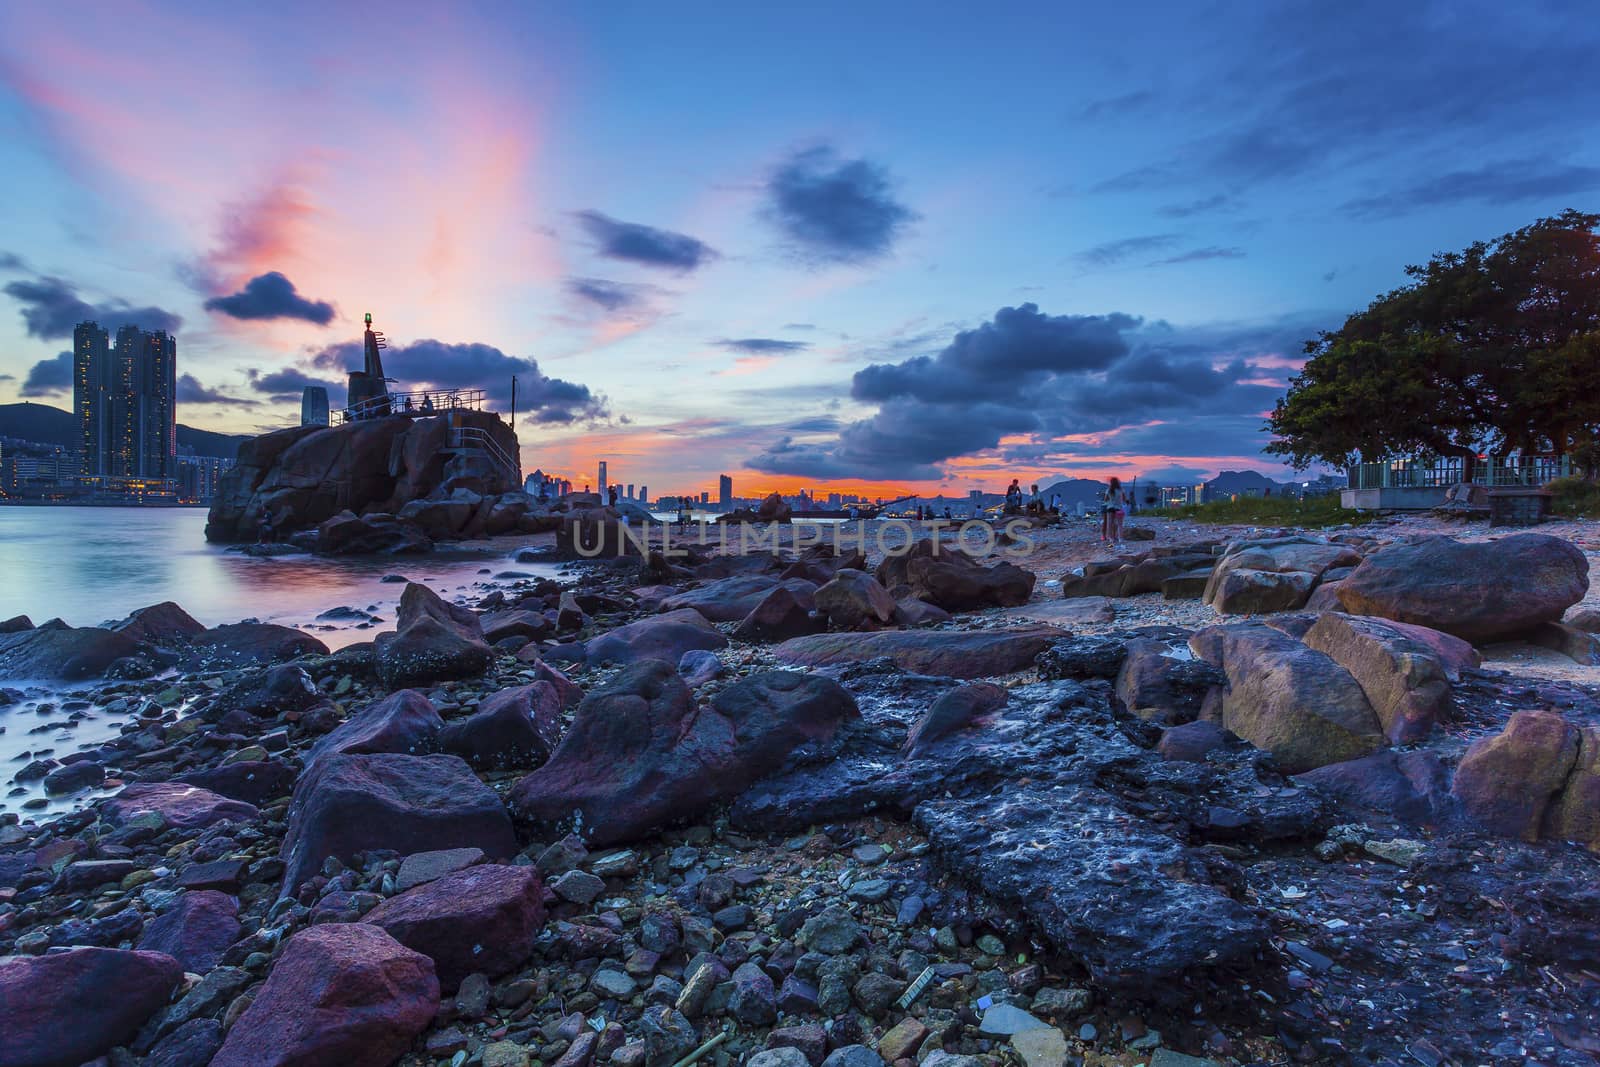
x=868 y=860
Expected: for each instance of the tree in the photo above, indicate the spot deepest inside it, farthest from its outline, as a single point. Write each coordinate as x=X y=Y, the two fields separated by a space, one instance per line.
x=1495 y=348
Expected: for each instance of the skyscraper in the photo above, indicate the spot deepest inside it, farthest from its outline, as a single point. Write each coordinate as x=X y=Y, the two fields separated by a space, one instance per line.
x=725 y=491
x=602 y=479
x=126 y=402
x=156 y=393
x=91 y=362
x=314 y=406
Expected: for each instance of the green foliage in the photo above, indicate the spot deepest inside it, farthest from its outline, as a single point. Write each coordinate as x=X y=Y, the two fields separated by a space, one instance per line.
x=1495 y=348
x=1575 y=498
x=1312 y=512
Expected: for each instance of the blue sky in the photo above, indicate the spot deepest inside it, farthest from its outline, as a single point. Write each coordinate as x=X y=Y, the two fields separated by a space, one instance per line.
x=874 y=246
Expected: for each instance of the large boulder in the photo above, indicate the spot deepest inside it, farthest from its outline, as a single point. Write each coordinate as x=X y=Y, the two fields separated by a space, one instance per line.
x=350 y=804
x=271 y=692
x=252 y=781
x=480 y=919
x=1478 y=591
x=405 y=721
x=516 y=727
x=181 y=806
x=1511 y=780
x=780 y=615
x=640 y=753
x=1405 y=682
x=62 y=653
x=1275 y=574
x=953 y=653
x=774 y=509
x=196 y=930
x=349 y=534
x=433 y=642
x=63 y=1009
x=855 y=600
x=1413 y=787
x=953 y=580
x=663 y=637
x=1155 y=684
x=725 y=599
x=1290 y=700
x=159 y=624
x=251 y=644
x=340 y=993
x=1575 y=815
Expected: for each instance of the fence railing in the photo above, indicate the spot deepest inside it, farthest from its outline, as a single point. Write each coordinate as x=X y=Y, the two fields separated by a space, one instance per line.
x=470 y=440
x=419 y=402
x=1442 y=472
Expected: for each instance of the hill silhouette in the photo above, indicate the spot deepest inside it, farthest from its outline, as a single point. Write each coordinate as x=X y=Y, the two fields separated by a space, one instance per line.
x=52 y=426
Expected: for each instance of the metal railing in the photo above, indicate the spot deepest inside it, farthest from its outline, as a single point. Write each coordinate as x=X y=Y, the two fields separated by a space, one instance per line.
x=472 y=441
x=1442 y=472
x=418 y=403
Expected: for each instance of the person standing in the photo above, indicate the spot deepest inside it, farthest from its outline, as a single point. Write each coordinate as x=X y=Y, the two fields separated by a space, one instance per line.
x=1113 y=510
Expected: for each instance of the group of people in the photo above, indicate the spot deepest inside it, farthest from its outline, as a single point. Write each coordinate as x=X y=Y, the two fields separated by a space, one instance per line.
x=1114 y=502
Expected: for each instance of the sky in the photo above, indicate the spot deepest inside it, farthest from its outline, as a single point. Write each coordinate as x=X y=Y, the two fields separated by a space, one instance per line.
x=860 y=247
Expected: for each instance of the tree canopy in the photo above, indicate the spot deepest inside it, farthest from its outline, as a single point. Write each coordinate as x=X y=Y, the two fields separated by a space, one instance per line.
x=1492 y=349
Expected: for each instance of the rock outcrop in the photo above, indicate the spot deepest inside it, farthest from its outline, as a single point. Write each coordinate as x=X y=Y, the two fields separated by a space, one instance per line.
x=1478 y=591
x=640 y=753
x=951 y=579
x=303 y=476
x=434 y=641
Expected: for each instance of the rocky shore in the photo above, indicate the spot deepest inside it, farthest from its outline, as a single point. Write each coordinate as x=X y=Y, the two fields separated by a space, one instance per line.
x=1227 y=797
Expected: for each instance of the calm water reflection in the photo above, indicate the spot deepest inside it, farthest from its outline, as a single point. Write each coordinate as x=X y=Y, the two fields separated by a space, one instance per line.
x=89 y=565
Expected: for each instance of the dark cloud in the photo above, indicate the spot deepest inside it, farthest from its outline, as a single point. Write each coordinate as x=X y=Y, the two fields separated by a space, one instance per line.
x=1029 y=375
x=290 y=383
x=271 y=296
x=48 y=376
x=637 y=243
x=818 y=424
x=1506 y=182
x=1197 y=255
x=1307 y=89
x=615 y=297
x=51 y=308
x=1112 y=253
x=836 y=210
x=761 y=346
x=11 y=261
x=438 y=364
x=190 y=391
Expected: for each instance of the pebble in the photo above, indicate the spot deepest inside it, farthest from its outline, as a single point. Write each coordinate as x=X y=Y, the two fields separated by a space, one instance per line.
x=580 y=887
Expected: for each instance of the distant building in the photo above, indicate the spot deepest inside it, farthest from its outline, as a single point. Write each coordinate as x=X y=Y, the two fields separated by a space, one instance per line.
x=602 y=483
x=725 y=491
x=314 y=406
x=200 y=477
x=705 y=496
x=126 y=402
x=644 y=495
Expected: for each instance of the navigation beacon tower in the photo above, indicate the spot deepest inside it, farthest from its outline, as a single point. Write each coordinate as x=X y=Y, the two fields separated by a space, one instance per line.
x=368 y=388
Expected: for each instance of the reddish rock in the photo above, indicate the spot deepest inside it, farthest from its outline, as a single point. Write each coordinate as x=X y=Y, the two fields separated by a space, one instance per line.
x=63 y=1009
x=1480 y=592
x=1413 y=787
x=196 y=930
x=252 y=781
x=186 y=807
x=1406 y=684
x=405 y=721
x=725 y=599
x=345 y=994
x=349 y=804
x=664 y=637
x=480 y=919
x=245 y=644
x=1509 y=781
x=1575 y=815
x=159 y=624
x=1191 y=742
x=950 y=653
x=433 y=642
x=512 y=728
x=780 y=616
x=854 y=600
x=640 y=753
x=953 y=580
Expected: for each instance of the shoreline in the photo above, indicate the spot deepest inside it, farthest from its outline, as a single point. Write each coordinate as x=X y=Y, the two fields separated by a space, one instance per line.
x=868 y=863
